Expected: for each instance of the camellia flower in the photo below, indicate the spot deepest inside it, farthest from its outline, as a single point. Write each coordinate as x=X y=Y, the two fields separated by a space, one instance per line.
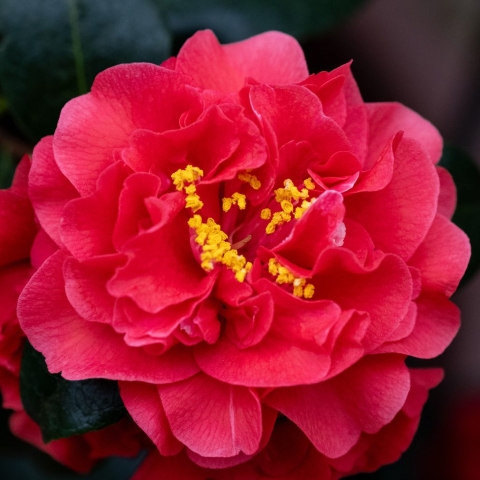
x=252 y=252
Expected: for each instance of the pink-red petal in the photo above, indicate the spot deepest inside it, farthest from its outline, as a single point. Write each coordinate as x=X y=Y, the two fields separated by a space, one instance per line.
x=333 y=414
x=81 y=349
x=211 y=418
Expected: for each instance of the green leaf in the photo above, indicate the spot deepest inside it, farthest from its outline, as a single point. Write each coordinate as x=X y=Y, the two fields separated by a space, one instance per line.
x=233 y=20
x=50 y=51
x=64 y=408
x=466 y=175
x=7 y=168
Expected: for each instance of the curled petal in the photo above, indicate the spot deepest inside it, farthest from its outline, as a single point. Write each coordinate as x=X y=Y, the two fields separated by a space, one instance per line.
x=333 y=414
x=223 y=420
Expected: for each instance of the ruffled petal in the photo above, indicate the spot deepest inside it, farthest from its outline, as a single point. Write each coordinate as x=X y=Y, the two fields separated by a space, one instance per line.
x=270 y=57
x=399 y=216
x=143 y=404
x=223 y=420
x=123 y=99
x=386 y=119
x=443 y=257
x=333 y=414
x=49 y=189
x=81 y=349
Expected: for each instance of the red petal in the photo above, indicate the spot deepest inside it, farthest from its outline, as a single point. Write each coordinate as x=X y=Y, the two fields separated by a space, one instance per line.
x=48 y=188
x=438 y=321
x=399 y=216
x=73 y=452
x=295 y=113
x=161 y=270
x=85 y=286
x=443 y=257
x=124 y=98
x=81 y=349
x=271 y=57
x=87 y=223
x=18 y=224
x=143 y=404
x=386 y=119
x=223 y=420
x=447 y=199
x=314 y=232
x=334 y=413
x=383 y=290
x=178 y=467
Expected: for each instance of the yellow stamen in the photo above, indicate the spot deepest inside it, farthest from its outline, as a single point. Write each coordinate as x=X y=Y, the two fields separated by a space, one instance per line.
x=309 y=185
x=237 y=199
x=188 y=175
x=252 y=180
x=288 y=197
x=284 y=276
x=266 y=214
x=184 y=180
x=193 y=202
x=240 y=200
x=215 y=248
x=227 y=204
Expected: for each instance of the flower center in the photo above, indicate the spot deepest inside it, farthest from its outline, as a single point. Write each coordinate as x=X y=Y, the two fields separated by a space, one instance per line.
x=215 y=247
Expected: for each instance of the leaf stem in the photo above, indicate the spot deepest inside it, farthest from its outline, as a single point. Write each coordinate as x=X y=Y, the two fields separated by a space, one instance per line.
x=77 y=47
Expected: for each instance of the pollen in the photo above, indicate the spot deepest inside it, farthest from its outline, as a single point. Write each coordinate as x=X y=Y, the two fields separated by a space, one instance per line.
x=279 y=218
x=252 y=180
x=193 y=201
x=185 y=180
x=236 y=199
x=216 y=249
x=290 y=192
x=289 y=197
x=309 y=185
x=266 y=214
x=283 y=276
x=188 y=175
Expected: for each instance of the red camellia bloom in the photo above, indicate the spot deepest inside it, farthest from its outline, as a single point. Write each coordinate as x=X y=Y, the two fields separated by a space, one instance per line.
x=252 y=252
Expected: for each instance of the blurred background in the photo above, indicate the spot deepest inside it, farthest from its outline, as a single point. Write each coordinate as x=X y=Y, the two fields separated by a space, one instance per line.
x=423 y=53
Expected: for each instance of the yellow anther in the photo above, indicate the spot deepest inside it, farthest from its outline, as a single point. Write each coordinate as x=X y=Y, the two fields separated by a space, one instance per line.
x=266 y=214
x=237 y=199
x=195 y=222
x=193 y=202
x=309 y=185
x=252 y=180
x=287 y=206
x=309 y=291
x=298 y=291
x=188 y=175
x=299 y=211
x=190 y=190
x=227 y=204
x=184 y=180
x=272 y=267
x=215 y=248
x=284 y=276
x=279 y=218
x=240 y=200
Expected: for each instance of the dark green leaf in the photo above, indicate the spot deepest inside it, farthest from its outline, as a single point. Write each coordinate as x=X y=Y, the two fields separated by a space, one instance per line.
x=7 y=168
x=64 y=408
x=233 y=20
x=50 y=51
x=466 y=175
